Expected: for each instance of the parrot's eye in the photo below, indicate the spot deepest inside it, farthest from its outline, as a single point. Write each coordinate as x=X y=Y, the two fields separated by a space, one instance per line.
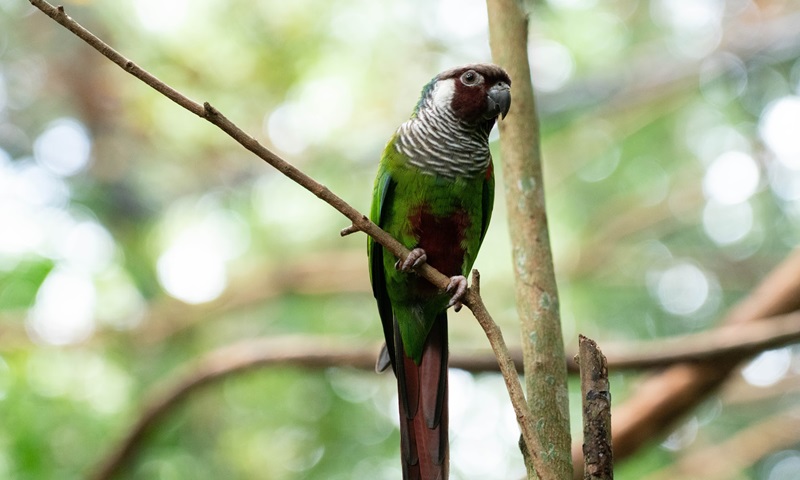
x=470 y=77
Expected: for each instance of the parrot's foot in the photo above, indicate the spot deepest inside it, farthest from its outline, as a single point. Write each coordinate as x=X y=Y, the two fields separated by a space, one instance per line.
x=414 y=259
x=458 y=285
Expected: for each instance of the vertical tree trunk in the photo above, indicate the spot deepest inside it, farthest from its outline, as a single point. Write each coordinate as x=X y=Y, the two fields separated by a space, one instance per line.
x=536 y=293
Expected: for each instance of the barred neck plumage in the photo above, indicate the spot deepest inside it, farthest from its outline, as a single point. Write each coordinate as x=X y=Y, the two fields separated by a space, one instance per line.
x=438 y=143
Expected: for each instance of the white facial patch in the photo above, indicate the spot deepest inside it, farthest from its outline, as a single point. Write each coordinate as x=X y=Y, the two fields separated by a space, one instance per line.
x=443 y=93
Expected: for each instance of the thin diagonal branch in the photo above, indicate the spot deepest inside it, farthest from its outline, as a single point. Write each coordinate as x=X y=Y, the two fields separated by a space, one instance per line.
x=360 y=221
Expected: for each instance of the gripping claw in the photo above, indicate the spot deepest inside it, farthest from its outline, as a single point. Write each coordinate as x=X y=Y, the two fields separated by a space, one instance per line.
x=458 y=285
x=414 y=259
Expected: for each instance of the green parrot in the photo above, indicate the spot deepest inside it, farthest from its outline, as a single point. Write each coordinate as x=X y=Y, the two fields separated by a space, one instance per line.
x=434 y=193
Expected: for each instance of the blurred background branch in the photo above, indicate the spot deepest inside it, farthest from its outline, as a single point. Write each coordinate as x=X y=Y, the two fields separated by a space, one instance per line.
x=306 y=352
x=661 y=400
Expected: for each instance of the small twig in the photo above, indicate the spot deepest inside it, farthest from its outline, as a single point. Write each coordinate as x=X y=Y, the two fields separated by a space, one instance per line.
x=596 y=394
x=349 y=230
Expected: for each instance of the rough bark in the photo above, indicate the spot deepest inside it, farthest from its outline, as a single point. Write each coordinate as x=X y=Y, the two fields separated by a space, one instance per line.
x=536 y=293
x=596 y=398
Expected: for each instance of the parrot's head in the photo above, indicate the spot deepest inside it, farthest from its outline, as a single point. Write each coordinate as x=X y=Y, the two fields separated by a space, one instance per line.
x=475 y=94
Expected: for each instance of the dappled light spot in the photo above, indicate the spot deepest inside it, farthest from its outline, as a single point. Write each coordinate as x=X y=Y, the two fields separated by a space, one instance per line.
x=707 y=133
x=727 y=223
x=305 y=449
x=696 y=25
x=682 y=436
x=572 y=4
x=199 y=238
x=462 y=390
x=723 y=77
x=456 y=21
x=682 y=289
x=601 y=167
x=159 y=16
x=64 y=147
x=309 y=400
x=781 y=466
x=779 y=130
x=351 y=386
x=25 y=78
x=772 y=86
x=64 y=309
x=192 y=271
x=732 y=178
x=283 y=207
x=284 y=126
x=120 y=305
x=88 y=246
x=785 y=180
x=82 y=376
x=552 y=65
x=313 y=113
x=37 y=186
x=598 y=138
x=768 y=368
x=484 y=441
x=28 y=235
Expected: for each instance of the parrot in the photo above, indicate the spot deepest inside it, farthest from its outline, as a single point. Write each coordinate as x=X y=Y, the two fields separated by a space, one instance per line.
x=434 y=193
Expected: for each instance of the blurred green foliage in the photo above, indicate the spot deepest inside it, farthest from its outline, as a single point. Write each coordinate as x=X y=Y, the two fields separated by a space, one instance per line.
x=134 y=237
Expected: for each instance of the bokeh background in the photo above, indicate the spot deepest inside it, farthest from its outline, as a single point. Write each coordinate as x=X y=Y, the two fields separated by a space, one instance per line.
x=135 y=237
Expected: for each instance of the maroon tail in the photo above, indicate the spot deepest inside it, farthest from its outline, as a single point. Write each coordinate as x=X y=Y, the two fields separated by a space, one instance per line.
x=423 y=406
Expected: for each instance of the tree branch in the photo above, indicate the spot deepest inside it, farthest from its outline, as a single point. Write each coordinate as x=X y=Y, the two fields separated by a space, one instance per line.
x=720 y=344
x=596 y=399
x=359 y=221
x=728 y=342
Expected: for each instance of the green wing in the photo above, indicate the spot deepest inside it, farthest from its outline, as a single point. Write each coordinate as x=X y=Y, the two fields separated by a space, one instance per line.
x=382 y=197
x=487 y=200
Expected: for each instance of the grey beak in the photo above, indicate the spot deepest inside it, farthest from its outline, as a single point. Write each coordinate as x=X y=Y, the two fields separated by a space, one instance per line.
x=498 y=100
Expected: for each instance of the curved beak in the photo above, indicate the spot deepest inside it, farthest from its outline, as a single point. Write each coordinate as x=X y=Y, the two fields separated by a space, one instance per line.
x=498 y=100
